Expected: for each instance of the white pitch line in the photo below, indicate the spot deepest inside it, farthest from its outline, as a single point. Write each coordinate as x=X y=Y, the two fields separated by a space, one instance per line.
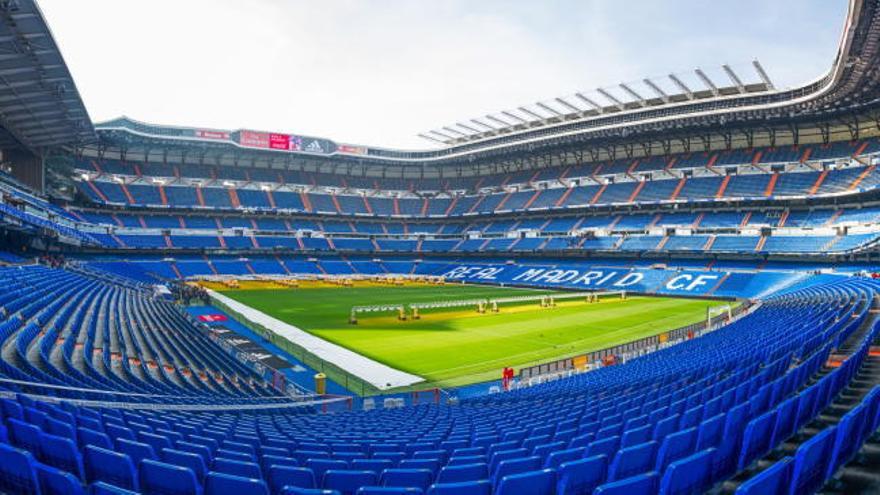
x=375 y=373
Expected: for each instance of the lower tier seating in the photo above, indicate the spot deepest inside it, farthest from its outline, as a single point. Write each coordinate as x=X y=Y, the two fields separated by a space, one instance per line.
x=680 y=420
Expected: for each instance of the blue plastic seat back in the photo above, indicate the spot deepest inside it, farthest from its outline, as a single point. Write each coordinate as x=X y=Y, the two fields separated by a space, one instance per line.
x=848 y=439
x=666 y=427
x=542 y=482
x=320 y=466
x=710 y=432
x=811 y=462
x=775 y=479
x=545 y=449
x=515 y=466
x=481 y=487
x=757 y=438
x=607 y=447
x=633 y=460
x=60 y=428
x=388 y=490
x=87 y=437
x=503 y=455
x=555 y=459
x=110 y=467
x=61 y=453
x=377 y=465
x=102 y=488
x=416 y=478
x=202 y=451
x=281 y=476
x=18 y=474
x=432 y=465
x=348 y=481
x=237 y=468
x=675 y=446
x=138 y=451
x=690 y=475
x=228 y=484
x=235 y=455
x=167 y=479
x=643 y=484
x=467 y=459
x=186 y=459
x=582 y=475
x=57 y=482
x=786 y=416
x=24 y=435
x=464 y=472
x=636 y=436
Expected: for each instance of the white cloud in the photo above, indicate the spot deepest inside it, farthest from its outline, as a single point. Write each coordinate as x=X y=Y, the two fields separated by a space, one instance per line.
x=378 y=72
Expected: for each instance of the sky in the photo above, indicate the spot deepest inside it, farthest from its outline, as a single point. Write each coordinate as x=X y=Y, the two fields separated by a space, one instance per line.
x=379 y=72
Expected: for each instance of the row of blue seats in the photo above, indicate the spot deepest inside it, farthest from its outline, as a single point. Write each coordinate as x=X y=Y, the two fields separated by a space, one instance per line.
x=146 y=193
x=804 y=324
x=689 y=412
x=632 y=243
x=558 y=225
x=830 y=152
x=70 y=334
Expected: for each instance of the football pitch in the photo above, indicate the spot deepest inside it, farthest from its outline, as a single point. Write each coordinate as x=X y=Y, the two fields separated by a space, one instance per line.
x=458 y=346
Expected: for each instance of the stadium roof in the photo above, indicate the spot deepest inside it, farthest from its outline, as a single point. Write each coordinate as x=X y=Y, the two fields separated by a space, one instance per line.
x=603 y=101
x=40 y=106
x=682 y=113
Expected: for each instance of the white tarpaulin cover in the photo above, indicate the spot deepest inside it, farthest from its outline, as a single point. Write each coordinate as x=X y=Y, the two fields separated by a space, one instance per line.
x=377 y=374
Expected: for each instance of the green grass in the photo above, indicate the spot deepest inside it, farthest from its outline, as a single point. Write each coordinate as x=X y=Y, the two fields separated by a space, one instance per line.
x=451 y=348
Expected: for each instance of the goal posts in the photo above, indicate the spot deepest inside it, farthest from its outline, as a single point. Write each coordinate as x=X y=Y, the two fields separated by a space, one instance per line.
x=380 y=308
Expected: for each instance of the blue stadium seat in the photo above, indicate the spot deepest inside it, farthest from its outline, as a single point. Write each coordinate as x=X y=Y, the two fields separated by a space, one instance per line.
x=643 y=484
x=481 y=487
x=775 y=479
x=633 y=460
x=348 y=481
x=24 y=435
x=417 y=478
x=228 y=484
x=541 y=482
x=848 y=439
x=137 y=451
x=102 y=488
x=388 y=490
x=192 y=461
x=320 y=466
x=811 y=462
x=110 y=467
x=57 y=482
x=377 y=465
x=582 y=475
x=160 y=478
x=557 y=458
x=515 y=466
x=689 y=476
x=757 y=438
x=676 y=446
x=281 y=476
x=237 y=468
x=61 y=453
x=463 y=472
x=294 y=490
